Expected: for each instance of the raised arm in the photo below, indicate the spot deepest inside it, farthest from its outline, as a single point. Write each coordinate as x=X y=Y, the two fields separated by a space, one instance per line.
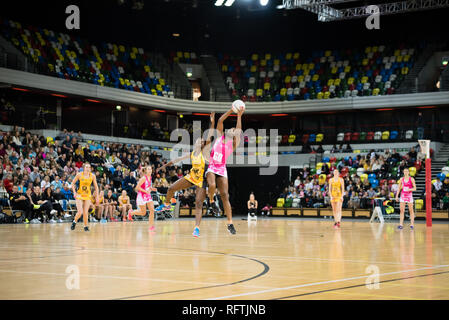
x=211 y=129
x=173 y=162
x=221 y=120
x=207 y=145
x=238 y=129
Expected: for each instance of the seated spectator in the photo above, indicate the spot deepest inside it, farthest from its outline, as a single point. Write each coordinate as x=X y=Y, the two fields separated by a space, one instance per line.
x=446 y=201
x=19 y=201
x=55 y=206
x=124 y=204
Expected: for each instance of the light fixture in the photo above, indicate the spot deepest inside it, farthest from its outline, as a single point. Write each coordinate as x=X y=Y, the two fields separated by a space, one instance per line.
x=219 y=3
x=280 y=6
x=229 y=3
x=189 y=74
x=176 y=35
x=181 y=116
x=445 y=61
x=263 y=2
x=119 y=108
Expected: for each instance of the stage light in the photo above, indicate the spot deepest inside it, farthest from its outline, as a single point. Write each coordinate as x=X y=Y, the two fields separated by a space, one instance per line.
x=229 y=3
x=119 y=108
x=263 y=2
x=175 y=35
x=280 y=6
x=445 y=61
x=219 y=3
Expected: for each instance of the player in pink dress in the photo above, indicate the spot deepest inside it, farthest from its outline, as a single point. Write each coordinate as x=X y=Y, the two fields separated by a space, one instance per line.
x=407 y=186
x=144 y=199
x=216 y=174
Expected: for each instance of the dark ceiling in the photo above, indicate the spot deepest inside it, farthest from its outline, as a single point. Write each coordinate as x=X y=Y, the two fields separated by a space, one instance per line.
x=243 y=28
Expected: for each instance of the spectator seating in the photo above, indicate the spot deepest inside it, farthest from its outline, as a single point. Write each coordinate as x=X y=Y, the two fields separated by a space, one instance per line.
x=70 y=57
x=373 y=70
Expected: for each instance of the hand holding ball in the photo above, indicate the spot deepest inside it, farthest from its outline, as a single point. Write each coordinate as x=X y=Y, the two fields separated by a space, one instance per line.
x=238 y=105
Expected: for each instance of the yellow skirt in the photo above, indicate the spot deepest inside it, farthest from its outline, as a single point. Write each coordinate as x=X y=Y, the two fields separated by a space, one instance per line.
x=198 y=183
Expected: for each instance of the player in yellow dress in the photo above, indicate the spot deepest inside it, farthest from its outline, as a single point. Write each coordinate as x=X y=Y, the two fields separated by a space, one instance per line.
x=336 y=192
x=124 y=205
x=83 y=196
x=198 y=158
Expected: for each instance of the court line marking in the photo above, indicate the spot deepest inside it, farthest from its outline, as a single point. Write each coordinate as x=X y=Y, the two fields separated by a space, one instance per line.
x=322 y=282
x=265 y=270
x=106 y=277
x=363 y=285
x=281 y=258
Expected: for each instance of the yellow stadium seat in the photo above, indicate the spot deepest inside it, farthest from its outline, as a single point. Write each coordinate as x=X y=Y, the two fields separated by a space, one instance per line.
x=266 y=86
x=288 y=56
x=287 y=79
x=255 y=57
x=296 y=55
x=259 y=92
x=253 y=68
x=320 y=95
x=319 y=137
x=283 y=91
x=419 y=204
x=280 y=202
x=385 y=135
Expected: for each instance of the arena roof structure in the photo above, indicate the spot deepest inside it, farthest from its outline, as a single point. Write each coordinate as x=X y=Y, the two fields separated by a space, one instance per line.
x=326 y=10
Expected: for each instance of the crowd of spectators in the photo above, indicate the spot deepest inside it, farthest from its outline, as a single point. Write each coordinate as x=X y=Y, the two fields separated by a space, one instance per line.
x=36 y=171
x=312 y=192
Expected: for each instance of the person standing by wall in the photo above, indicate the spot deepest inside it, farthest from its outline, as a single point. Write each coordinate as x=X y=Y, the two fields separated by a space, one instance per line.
x=420 y=124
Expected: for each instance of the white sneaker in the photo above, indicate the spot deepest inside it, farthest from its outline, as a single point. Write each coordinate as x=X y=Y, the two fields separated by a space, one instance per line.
x=52 y=221
x=53 y=211
x=94 y=220
x=60 y=220
x=67 y=215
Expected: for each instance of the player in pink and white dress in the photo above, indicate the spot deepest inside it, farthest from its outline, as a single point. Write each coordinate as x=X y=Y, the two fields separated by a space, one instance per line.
x=144 y=199
x=407 y=186
x=216 y=174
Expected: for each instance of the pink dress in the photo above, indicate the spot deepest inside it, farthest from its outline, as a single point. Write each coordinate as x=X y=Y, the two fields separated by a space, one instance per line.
x=220 y=153
x=406 y=194
x=143 y=198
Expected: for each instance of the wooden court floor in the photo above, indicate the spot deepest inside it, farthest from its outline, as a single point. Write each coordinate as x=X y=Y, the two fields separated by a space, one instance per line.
x=272 y=259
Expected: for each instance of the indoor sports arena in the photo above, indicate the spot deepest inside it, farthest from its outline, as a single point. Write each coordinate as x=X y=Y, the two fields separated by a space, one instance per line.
x=250 y=150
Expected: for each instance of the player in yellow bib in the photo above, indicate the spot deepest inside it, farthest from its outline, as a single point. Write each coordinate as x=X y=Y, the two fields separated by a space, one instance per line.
x=83 y=196
x=336 y=192
x=194 y=178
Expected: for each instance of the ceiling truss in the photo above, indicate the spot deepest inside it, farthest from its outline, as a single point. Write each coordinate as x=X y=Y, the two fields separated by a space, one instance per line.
x=325 y=12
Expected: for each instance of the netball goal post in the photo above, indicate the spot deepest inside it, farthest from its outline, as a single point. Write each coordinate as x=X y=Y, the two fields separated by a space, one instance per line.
x=425 y=149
